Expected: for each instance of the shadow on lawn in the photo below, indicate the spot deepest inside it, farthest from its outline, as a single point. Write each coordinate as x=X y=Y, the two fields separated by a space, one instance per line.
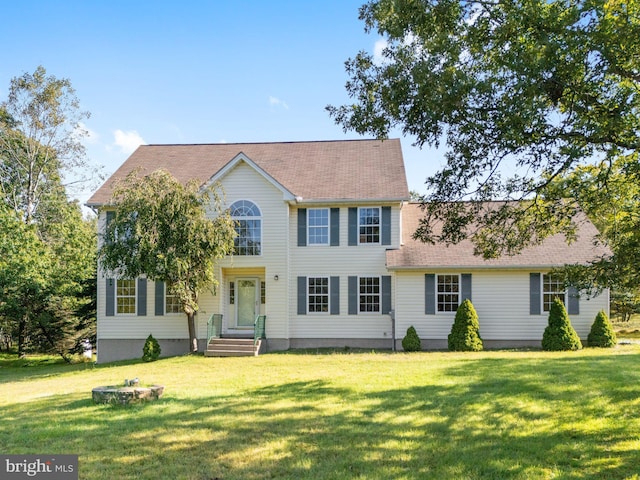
x=494 y=418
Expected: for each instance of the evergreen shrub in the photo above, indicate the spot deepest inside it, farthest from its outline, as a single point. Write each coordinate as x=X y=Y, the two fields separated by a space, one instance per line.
x=465 y=331
x=151 y=350
x=602 y=333
x=411 y=341
x=559 y=334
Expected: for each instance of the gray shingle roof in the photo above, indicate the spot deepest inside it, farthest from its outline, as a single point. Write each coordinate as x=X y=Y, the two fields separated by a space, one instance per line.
x=553 y=252
x=317 y=170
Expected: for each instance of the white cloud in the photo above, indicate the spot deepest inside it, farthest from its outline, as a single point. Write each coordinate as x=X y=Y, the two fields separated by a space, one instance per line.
x=127 y=141
x=378 y=48
x=276 y=102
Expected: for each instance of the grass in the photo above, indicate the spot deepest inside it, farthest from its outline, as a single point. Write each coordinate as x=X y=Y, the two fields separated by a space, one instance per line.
x=628 y=330
x=335 y=415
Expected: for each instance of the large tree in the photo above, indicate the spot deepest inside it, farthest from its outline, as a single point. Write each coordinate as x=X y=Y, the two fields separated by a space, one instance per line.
x=40 y=140
x=44 y=293
x=169 y=232
x=521 y=91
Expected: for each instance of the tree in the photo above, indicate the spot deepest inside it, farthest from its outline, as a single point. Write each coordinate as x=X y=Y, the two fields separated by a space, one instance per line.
x=411 y=341
x=522 y=91
x=169 y=232
x=44 y=292
x=559 y=334
x=465 y=331
x=602 y=333
x=40 y=133
x=44 y=296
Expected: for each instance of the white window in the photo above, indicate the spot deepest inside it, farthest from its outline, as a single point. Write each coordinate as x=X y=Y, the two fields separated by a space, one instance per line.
x=369 y=294
x=318 y=294
x=369 y=224
x=448 y=293
x=126 y=296
x=552 y=288
x=172 y=303
x=248 y=221
x=318 y=226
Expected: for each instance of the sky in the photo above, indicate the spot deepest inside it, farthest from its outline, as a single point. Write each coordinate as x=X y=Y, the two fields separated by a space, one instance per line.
x=166 y=72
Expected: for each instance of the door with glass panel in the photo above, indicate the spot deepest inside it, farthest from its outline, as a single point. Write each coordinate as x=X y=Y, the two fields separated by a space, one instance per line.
x=247 y=298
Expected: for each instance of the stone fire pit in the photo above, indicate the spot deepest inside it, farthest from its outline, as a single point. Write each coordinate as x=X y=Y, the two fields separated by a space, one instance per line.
x=125 y=395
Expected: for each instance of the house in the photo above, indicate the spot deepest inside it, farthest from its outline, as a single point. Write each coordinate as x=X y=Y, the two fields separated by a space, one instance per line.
x=325 y=251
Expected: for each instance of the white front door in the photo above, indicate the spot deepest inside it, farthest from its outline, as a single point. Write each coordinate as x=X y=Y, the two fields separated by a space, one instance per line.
x=247 y=298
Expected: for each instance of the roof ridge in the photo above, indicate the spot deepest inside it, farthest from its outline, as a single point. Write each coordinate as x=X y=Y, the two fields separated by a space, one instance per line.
x=266 y=143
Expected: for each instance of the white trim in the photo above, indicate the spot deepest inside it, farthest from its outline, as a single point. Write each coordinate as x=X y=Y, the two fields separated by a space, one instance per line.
x=379 y=242
x=241 y=157
x=134 y=296
x=379 y=311
x=328 y=278
x=328 y=227
x=458 y=293
x=256 y=301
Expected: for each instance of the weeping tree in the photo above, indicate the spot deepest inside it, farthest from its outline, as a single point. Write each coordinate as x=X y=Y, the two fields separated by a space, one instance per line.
x=169 y=232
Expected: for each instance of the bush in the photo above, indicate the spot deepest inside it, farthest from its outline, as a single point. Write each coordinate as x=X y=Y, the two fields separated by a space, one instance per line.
x=559 y=334
x=411 y=341
x=465 y=332
x=151 y=350
x=602 y=334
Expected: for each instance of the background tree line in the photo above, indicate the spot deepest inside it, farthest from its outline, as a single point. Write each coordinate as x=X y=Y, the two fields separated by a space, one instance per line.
x=47 y=245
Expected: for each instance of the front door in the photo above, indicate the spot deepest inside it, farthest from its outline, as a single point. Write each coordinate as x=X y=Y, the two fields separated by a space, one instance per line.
x=247 y=301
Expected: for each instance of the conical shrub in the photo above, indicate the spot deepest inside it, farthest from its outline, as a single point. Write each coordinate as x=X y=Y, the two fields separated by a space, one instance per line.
x=602 y=333
x=411 y=341
x=151 y=350
x=465 y=331
x=559 y=334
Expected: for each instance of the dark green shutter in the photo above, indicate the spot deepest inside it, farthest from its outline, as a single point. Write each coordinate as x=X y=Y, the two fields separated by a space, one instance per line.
x=334 y=289
x=429 y=294
x=534 y=294
x=353 y=295
x=110 y=216
x=302 y=295
x=335 y=227
x=110 y=297
x=353 y=226
x=142 y=297
x=386 y=226
x=386 y=294
x=302 y=227
x=573 y=302
x=159 y=300
x=465 y=287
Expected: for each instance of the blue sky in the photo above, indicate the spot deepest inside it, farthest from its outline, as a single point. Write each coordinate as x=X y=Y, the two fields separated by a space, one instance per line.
x=196 y=71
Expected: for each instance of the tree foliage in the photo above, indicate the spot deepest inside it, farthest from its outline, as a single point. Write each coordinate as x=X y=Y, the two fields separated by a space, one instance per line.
x=151 y=350
x=411 y=341
x=47 y=296
x=465 y=331
x=40 y=133
x=521 y=91
x=169 y=232
x=602 y=333
x=559 y=334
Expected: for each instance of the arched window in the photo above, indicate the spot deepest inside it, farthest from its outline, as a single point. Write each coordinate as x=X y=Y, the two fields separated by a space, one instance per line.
x=248 y=220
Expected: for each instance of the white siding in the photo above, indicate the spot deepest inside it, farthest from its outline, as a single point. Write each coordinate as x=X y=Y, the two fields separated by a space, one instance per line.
x=501 y=299
x=244 y=183
x=341 y=261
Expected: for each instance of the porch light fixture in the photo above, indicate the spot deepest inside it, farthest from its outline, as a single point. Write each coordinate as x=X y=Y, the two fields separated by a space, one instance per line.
x=275 y=277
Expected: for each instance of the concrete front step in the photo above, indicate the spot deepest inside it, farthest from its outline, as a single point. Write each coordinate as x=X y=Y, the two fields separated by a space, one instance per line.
x=232 y=347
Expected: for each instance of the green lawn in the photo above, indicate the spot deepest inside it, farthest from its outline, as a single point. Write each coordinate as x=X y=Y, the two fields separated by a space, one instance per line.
x=500 y=414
